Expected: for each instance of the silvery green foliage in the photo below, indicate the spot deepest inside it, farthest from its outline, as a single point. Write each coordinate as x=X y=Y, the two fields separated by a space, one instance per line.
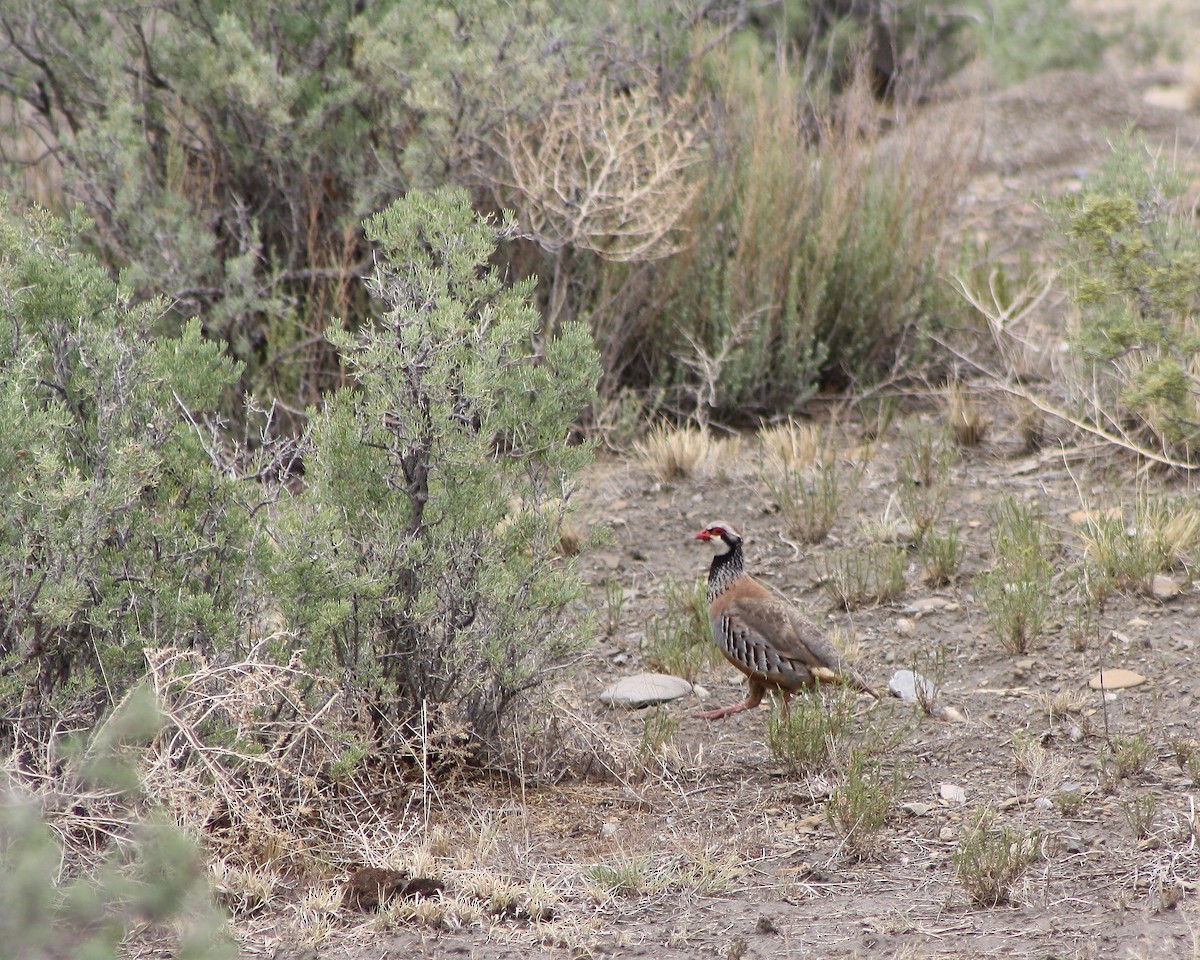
x=422 y=560
x=118 y=529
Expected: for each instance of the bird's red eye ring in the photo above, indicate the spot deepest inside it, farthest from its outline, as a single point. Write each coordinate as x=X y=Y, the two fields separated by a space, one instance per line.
x=717 y=531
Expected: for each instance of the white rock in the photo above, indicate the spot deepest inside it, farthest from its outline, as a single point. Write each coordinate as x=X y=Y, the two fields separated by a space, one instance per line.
x=928 y=605
x=645 y=689
x=952 y=793
x=1164 y=587
x=910 y=686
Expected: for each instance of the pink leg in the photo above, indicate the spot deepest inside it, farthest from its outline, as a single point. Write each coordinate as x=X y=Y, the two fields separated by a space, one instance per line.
x=752 y=701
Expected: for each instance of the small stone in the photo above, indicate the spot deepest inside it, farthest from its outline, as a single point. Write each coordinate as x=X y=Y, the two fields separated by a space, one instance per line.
x=644 y=689
x=609 y=830
x=1073 y=844
x=949 y=714
x=916 y=808
x=952 y=793
x=947 y=835
x=1043 y=804
x=905 y=627
x=911 y=687
x=1137 y=622
x=919 y=608
x=1116 y=679
x=1163 y=587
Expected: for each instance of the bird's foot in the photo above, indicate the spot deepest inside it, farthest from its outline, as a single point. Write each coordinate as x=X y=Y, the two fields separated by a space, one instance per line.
x=726 y=711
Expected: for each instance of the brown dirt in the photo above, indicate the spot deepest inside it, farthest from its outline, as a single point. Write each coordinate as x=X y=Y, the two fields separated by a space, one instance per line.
x=720 y=798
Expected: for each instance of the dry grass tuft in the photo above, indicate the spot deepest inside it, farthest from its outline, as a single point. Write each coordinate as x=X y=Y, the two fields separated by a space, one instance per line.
x=1061 y=702
x=789 y=447
x=674 y=453
x=966 y=419
x=1046 y=770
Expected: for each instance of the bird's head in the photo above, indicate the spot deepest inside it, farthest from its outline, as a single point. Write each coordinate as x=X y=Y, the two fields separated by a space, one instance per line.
x=722 y=535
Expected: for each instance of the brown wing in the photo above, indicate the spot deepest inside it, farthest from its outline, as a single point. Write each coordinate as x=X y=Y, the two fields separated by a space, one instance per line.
x=793 y=641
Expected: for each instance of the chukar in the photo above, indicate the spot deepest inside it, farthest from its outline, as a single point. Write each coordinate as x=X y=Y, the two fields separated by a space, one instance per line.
x=762 y=634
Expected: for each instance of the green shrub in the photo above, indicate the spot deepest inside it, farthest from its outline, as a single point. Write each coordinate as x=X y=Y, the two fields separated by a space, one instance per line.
x=814 y=253
x=1020 y=39
x=419 y=560
x=122 y=523
x=229 y=152
x=1134 y=269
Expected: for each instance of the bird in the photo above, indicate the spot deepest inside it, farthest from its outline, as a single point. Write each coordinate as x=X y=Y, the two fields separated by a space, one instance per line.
x=763 y=634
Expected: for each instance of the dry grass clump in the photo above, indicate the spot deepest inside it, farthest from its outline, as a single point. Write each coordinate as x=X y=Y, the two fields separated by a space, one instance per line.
x=241 y=753
x=1162 y=537
x=991 y=859
x=1046 y=770
x=674 y=453
x=791 y=446
x=966 y=419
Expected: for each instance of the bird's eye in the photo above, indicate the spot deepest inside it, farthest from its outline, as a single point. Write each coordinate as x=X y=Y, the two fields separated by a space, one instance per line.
x=717 y=531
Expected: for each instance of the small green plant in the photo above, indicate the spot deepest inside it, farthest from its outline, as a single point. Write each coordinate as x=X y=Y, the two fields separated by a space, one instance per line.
x=930 y=665
x=941 y=554
x=645 y=874
x=658 y=729
x=854 y=578
x=811 y=732
x=1016 y=610
x=926 y=457
x=811 y=500
x=861 y=802
x=614 y=602
x=1139 y=810
x=1123 y=556
x=991 y=859
x=680 y=641
x=1123 y=758
x=1187 y=755
x=1069 y=802
x=1016 y=592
